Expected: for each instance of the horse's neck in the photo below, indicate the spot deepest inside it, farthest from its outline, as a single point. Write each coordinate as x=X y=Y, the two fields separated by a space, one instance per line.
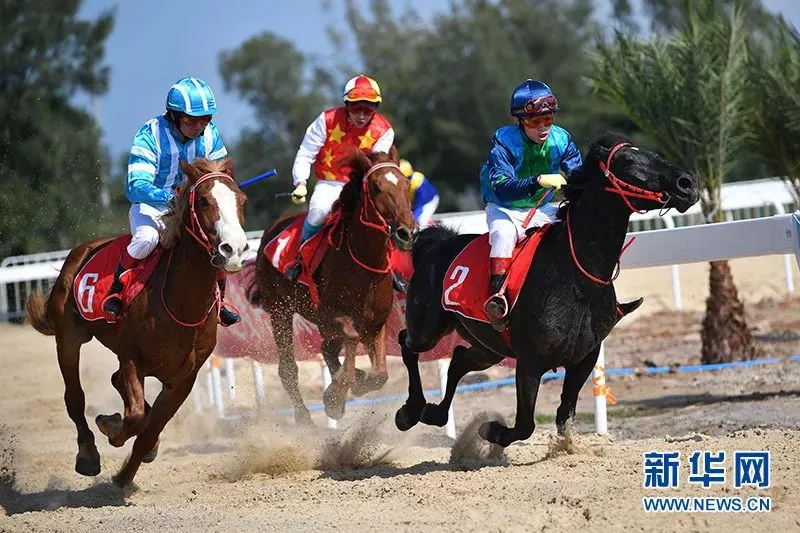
x=190 y=279
x=369 y=245
x=599 y=223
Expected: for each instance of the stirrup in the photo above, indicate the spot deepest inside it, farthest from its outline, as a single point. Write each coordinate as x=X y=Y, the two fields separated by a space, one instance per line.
x=293 y=271
x=113 y=305
x=228 y=317
x=496 y=309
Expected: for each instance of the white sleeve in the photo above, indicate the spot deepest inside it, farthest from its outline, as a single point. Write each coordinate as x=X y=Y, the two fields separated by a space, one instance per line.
x=384 y=142
x=309 y=148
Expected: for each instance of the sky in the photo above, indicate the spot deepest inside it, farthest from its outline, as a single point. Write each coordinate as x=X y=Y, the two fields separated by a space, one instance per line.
x=156 y=42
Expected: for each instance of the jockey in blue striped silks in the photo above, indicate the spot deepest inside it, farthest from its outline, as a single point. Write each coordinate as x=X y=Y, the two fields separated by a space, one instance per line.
x=183 y=133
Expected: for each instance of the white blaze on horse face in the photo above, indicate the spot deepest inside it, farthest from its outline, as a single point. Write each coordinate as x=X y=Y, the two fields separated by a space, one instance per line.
x=232 y=239
x=391 y=178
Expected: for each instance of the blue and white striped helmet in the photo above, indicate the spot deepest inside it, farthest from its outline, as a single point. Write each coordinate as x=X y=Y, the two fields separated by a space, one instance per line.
x=191 y=96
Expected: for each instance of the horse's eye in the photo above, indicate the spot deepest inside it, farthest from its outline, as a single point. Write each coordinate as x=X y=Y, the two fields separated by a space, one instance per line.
x=204 y=203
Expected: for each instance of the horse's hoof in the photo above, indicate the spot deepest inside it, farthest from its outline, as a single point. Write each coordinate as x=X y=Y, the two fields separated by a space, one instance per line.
x=302 y=417
x=87 y=466
x=334 y=406
x=150 y=456
x=433 y=415
x=494 y=432
x=368 y=382
x=406 y=417
x=127 y=487
x=109 y=425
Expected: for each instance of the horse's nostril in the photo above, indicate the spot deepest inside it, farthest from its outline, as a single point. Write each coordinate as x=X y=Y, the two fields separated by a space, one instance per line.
x=226 y=249
x=246 y=247
x=685 y=184
x=403 y=234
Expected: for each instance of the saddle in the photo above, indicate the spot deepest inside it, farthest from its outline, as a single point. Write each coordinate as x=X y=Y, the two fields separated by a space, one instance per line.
x=466 y=283
x=284 y=248
x=92 y=283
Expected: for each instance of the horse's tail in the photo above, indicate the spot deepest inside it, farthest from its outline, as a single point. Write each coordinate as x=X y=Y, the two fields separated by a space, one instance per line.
x=429 y=239
x=36 y=313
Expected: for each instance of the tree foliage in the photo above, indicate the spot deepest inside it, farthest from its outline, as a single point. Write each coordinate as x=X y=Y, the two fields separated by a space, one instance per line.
x=51 y=160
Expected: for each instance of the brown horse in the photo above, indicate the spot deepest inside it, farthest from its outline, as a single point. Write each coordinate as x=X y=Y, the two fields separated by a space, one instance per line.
x=354 y=281
x=169 y=329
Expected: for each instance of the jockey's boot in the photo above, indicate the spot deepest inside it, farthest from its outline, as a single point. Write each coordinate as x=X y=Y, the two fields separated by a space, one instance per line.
x=294 y=270
x=496 y=305
x=227 y=317
x=113 y=303
x=398 y=283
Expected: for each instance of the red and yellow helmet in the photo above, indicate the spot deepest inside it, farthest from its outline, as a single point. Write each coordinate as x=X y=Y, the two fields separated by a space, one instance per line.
x=362 y=89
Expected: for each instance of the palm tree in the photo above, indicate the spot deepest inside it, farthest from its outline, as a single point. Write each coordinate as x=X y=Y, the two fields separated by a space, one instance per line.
x=685 y=92
x=775 y=101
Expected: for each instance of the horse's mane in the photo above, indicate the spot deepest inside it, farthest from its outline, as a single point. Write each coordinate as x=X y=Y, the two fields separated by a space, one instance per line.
x=582 y=178
x=173 y=218
x=351 y=192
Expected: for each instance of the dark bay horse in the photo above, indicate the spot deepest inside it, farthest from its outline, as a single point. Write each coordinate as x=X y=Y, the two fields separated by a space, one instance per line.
x=204 y=234
x=354 y=282
x=567 y=305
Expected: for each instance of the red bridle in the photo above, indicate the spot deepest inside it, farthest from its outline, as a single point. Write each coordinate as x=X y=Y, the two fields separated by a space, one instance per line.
x=625 y=190
x=199 y=235
x=367 y=206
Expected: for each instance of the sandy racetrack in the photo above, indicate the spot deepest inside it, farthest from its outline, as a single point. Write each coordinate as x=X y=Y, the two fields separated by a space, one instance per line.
x=265 y=475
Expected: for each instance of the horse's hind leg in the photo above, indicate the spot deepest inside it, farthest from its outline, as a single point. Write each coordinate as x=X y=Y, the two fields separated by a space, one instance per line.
x=574 y=378
x=69 y=339
x=377 y=378
x=287 y=366
x=463 y=361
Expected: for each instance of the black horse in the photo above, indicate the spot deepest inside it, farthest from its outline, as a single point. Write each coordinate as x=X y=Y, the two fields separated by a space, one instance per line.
x=567 y=305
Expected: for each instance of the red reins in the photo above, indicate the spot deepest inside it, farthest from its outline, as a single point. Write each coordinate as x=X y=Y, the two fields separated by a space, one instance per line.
x=196 y=231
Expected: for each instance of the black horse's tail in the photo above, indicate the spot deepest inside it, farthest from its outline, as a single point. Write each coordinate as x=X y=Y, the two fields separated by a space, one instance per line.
x=429 y=239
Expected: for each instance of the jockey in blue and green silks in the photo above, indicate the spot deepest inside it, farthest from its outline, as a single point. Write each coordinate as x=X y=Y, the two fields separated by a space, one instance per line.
x=183 y=133
x=523 y=164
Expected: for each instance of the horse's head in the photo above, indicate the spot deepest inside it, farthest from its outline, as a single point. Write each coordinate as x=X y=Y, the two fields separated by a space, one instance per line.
x=643 y=178
x=385 y=192
x=209 y=206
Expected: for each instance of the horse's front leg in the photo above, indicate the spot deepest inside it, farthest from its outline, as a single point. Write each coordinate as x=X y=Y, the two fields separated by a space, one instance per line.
x=379 y=375
x=129 y=382
x=409 y=414
x=167 y=403
x=335 y=395
x=463 y=361
x=283 y=332
x=574 y=378
x=527 y=380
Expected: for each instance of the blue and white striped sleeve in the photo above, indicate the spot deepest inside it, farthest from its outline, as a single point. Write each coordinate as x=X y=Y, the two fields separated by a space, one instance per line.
x=142 y=168
x=218 y=150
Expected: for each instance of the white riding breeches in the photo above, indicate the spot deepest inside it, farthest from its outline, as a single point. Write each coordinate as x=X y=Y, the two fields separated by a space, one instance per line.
x=505 y=226
x=145 y=227
x=322 y=199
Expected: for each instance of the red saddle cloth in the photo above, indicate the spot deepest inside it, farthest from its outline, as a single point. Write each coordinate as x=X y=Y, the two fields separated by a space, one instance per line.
x=282 y=251
x=466 y=284
x=92 y=284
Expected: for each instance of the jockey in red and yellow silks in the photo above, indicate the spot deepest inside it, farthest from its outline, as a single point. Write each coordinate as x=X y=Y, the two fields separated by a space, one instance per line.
x=333 y=134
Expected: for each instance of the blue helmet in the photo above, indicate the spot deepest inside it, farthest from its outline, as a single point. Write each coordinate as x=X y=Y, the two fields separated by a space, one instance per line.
x=191 y=96
x=532 y=98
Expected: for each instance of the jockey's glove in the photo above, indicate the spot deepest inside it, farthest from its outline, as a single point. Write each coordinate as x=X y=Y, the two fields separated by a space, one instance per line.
x=551 y=181
x=299 y=193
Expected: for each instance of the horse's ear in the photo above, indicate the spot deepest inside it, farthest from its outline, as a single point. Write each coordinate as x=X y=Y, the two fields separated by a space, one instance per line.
x=358 y=161
x=394 y=155
x=189 y=170
x=227 y=166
